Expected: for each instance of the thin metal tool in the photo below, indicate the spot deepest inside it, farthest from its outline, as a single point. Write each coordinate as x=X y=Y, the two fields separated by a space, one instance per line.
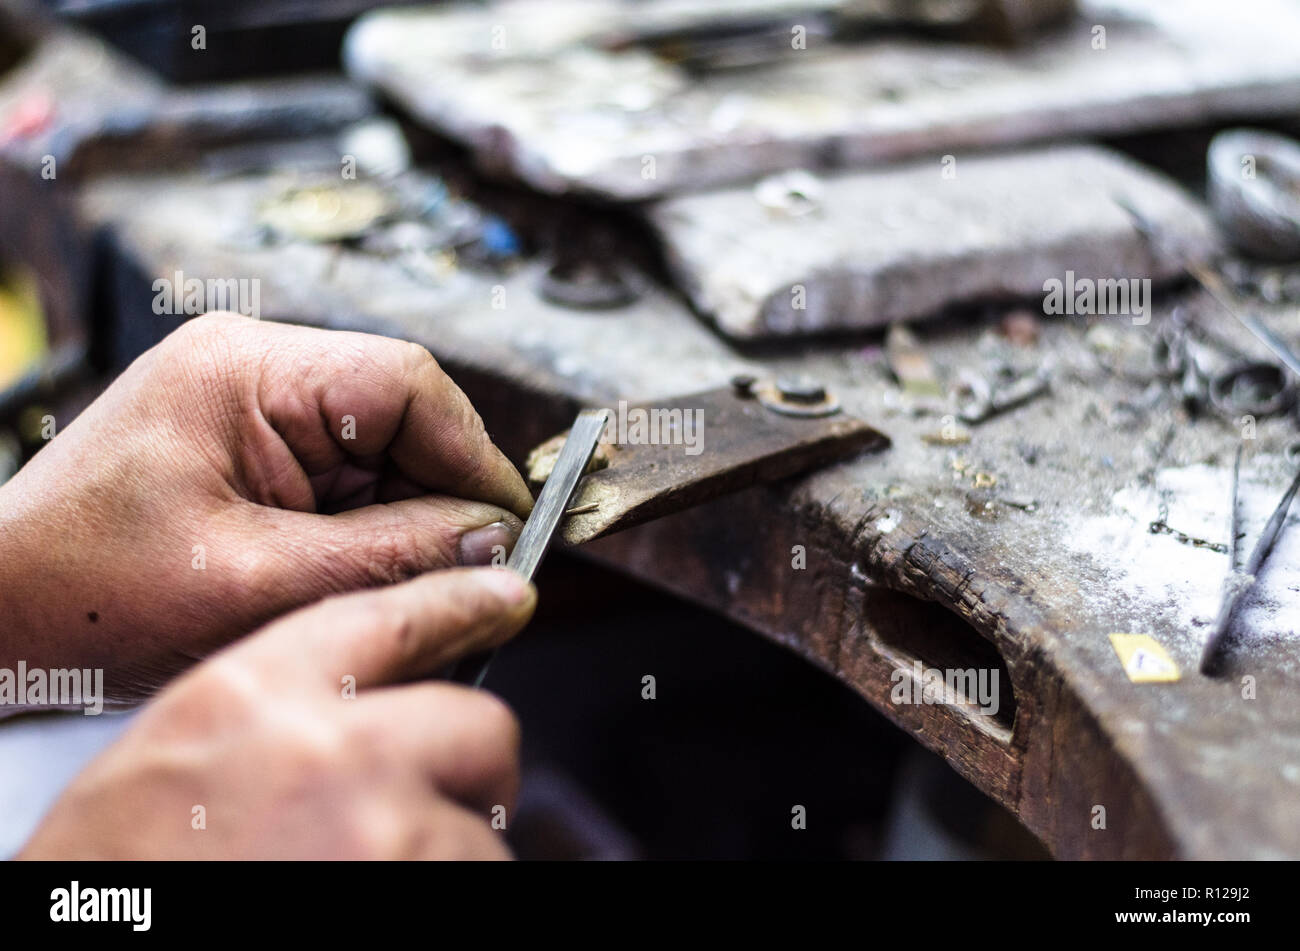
x=1219 y=291
x=549 y=512
x=1242 y=579
x=1215 y=287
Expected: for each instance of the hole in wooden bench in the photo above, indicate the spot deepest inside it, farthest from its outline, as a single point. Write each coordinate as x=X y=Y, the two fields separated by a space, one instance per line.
x=938 y=657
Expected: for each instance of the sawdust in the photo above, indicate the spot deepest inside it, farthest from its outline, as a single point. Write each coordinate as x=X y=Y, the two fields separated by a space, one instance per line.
x=1178 y=582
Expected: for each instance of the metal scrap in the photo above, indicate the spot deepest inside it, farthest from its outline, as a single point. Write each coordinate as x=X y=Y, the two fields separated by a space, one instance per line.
x=590 y=284
x=1254 y=189
x=1161 y=526
x=910 y=364
x=1251 y=386
x=1000 y=399
x=324 y=213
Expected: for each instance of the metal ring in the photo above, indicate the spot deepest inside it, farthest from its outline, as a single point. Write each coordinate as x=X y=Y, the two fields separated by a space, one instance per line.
x=586 y=285
x=1252 y=180
x=1230 y=391
x=770 y=396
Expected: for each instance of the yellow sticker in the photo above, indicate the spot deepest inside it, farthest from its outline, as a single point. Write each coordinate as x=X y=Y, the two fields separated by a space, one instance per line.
x=1144 y=660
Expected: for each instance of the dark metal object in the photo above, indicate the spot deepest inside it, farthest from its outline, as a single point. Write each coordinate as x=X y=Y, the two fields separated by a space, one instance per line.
x=1255 y=389
x=587 y=285
x=731 y=36
x=1242 y=580
x=743 y=444
x=546 y=517
x=1161 y=526
x=246 y=37
x=1229 y=390
x=801 y=390
x=797 y=397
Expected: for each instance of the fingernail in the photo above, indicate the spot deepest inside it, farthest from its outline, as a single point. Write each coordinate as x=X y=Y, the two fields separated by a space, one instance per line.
x=488 y=545
x=505 y=584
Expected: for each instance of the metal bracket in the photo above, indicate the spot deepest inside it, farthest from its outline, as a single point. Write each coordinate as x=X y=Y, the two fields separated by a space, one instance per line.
x=658 y=459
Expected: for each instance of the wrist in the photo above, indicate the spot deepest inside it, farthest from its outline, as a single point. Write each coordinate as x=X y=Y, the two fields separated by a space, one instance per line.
x=23 y=603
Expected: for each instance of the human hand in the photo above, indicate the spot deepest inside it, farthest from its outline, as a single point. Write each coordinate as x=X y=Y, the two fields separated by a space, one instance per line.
x=259 y=752
x=234 y=472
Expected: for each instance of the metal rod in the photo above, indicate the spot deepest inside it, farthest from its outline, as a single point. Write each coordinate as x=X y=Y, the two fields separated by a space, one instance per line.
x=1241 y=579
x=550 y=510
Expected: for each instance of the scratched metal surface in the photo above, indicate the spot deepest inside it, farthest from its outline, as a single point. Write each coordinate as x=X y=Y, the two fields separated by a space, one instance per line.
x=1044 y=564
x=516 y=84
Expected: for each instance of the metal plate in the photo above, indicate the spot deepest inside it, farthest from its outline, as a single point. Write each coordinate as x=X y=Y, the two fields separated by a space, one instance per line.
x=708 y=445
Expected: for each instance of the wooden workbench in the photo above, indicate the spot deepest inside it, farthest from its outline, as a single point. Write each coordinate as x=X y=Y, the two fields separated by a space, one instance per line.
x=1021 y=551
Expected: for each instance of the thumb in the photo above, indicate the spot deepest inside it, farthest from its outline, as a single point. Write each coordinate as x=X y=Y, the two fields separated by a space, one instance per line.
x=396 y=634
x=380 y=544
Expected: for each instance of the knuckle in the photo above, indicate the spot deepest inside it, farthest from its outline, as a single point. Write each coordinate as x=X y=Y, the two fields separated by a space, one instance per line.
x=472 y=422
x=378 y=823
x=313 y=752
x=206 y=356
x=496 y=737
x=206 y=335
x=472 y=425
x=463 y=607
x=395 y=555
x=246 y=575
x=393 y=629
x=220 y=689
x=415 y=356
x=480 y=464
x=500 y=726
x=214 y=322
x=382 y=838
x=371 y=741
x=460 y=838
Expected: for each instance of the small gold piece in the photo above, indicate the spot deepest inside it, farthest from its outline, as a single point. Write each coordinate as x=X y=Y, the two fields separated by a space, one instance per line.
x=324 y=213
x=949 y=436
x=911 y=364
x=541 y=460
x=985 y=480
x=445 y=263
x=1144 y=660
x=581 y=509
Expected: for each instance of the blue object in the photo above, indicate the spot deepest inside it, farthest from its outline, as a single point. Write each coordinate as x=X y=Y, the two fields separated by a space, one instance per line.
x=499 y=239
